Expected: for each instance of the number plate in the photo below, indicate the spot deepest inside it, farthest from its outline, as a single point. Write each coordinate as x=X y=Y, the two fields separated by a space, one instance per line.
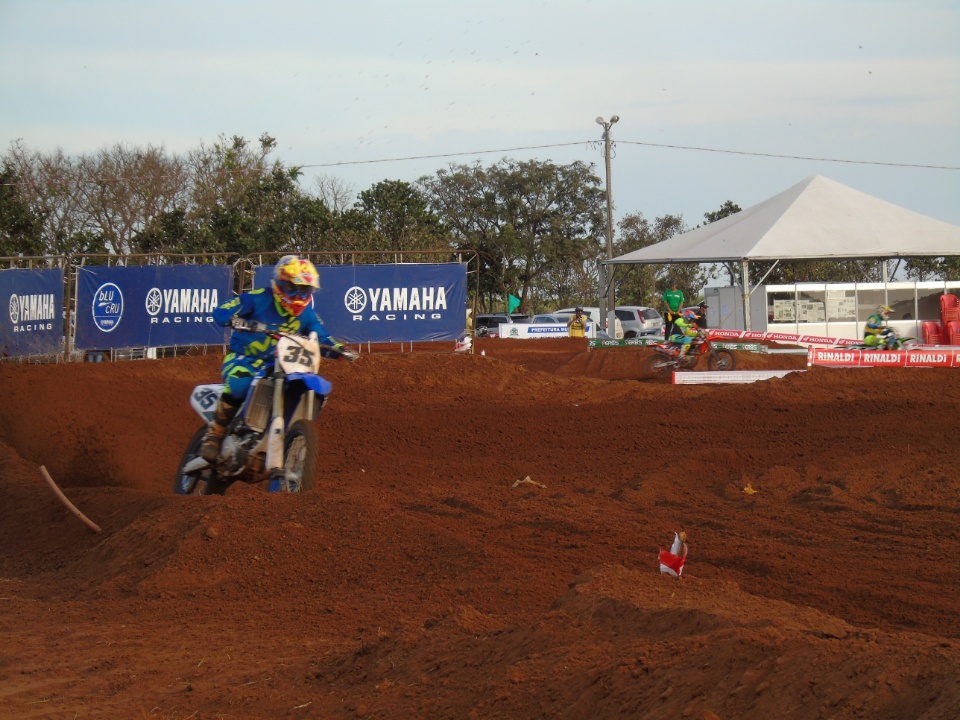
x=300 y=355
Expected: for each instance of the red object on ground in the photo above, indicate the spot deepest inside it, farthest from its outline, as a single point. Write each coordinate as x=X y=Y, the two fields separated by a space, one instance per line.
x=932 y=333
x=672 y=564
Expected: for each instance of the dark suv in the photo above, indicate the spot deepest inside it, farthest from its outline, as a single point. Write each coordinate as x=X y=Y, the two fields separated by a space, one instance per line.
x=488 y=324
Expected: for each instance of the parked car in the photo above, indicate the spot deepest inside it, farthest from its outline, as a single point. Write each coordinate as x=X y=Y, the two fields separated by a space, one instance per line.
x=551 y=318
x=638 y=320
x=488 y=324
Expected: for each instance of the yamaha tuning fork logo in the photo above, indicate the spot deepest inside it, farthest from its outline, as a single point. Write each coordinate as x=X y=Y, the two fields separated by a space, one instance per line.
x=355 y=300
x=396 y=303
x=107 y=307
x=14 y=310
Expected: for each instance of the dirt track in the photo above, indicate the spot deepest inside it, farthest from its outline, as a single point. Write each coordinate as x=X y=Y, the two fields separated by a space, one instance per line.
x=417 y=582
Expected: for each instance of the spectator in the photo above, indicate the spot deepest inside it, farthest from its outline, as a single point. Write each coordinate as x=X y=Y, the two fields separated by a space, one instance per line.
x=702 y=315
x=673 y=301
x=577 y=324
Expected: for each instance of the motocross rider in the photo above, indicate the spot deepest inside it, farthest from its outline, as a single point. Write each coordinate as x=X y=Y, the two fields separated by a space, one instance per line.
x=685 y=330
x=875 y=331
x=286 y=306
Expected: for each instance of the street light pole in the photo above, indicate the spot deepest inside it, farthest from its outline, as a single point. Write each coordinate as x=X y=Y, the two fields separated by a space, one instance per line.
x=608 y=275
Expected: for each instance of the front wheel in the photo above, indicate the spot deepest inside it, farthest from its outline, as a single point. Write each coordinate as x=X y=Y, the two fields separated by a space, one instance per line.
x=204 y=482
x=721 y=360
x=301 y=455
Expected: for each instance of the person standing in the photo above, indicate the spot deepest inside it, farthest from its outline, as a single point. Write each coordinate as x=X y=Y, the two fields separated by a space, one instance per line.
x=702 y=315
x=577 y=324
x=673 y=302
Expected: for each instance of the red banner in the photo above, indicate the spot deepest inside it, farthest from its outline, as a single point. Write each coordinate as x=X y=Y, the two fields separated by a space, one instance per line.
x=850 y=357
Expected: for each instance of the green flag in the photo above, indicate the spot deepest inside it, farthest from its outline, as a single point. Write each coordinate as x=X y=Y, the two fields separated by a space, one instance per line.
x=514 y=303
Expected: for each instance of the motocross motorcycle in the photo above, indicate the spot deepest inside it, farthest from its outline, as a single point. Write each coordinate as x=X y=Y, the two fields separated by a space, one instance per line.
x=666 y=356
x=889 y=340
x=272 y=438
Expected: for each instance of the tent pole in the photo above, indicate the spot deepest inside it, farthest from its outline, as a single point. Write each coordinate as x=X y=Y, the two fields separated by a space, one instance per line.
x=603 y=288
x=745 y=272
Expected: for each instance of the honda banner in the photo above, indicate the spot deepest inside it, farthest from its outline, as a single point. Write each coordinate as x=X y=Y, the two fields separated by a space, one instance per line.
x=150 y=306
x=33 y=321
x=389 y=303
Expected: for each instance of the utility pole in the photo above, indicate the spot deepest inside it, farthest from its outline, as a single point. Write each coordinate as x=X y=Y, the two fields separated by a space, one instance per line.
x=608 y=275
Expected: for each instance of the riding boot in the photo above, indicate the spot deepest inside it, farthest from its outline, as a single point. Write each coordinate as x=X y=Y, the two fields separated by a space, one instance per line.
x=210 y=447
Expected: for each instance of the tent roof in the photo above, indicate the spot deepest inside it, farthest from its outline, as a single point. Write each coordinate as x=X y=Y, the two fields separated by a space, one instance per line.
x=815 y=219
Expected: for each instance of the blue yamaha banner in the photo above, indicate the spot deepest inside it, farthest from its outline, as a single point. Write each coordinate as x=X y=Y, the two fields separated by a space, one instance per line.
x=389 y=303
x=150 y=306
x=31 y=313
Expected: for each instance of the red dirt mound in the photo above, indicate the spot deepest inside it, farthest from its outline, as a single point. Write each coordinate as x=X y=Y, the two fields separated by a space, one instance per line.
x=418 y=581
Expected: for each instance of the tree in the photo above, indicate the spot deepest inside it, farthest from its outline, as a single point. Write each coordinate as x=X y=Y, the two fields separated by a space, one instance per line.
x=644 y=284
x=124 y=189
x=50 y=186
x=536 y=227
x=237 y=196
x=942 y=268
x=400 y=218
x=335 y=193
x=20 y=228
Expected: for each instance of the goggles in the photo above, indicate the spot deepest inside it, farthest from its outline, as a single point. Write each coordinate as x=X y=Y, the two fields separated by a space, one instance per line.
x=301 y=292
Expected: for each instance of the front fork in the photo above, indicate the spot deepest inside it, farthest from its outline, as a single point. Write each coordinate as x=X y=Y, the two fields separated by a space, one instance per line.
x=275 y=435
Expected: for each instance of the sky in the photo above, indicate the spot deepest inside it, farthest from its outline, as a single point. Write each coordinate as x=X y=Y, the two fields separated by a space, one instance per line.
x=715 y=100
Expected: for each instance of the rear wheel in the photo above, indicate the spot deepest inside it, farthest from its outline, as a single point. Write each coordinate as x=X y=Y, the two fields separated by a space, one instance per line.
x=655 y=366
x=301 y=455
x=204 y=482
x=721 y=360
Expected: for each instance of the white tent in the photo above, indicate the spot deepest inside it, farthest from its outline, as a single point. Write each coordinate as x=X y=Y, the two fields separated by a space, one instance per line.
x=815 y=219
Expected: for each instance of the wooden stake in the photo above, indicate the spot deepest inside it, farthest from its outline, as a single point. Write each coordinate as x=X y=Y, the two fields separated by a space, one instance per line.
x=63 y=498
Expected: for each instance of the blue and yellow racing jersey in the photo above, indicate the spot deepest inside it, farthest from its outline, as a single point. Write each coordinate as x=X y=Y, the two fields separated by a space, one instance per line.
x=685 y=328
x=261 y=306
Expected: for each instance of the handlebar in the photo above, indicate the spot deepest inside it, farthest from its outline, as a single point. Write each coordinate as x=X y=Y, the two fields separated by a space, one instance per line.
x=274 y=330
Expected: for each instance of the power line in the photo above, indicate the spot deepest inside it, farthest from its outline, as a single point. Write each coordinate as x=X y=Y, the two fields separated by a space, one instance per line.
x=444 y=155
x=791 y=157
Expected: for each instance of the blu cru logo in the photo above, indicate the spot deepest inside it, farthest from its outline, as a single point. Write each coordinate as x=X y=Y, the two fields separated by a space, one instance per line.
x=107 y=307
